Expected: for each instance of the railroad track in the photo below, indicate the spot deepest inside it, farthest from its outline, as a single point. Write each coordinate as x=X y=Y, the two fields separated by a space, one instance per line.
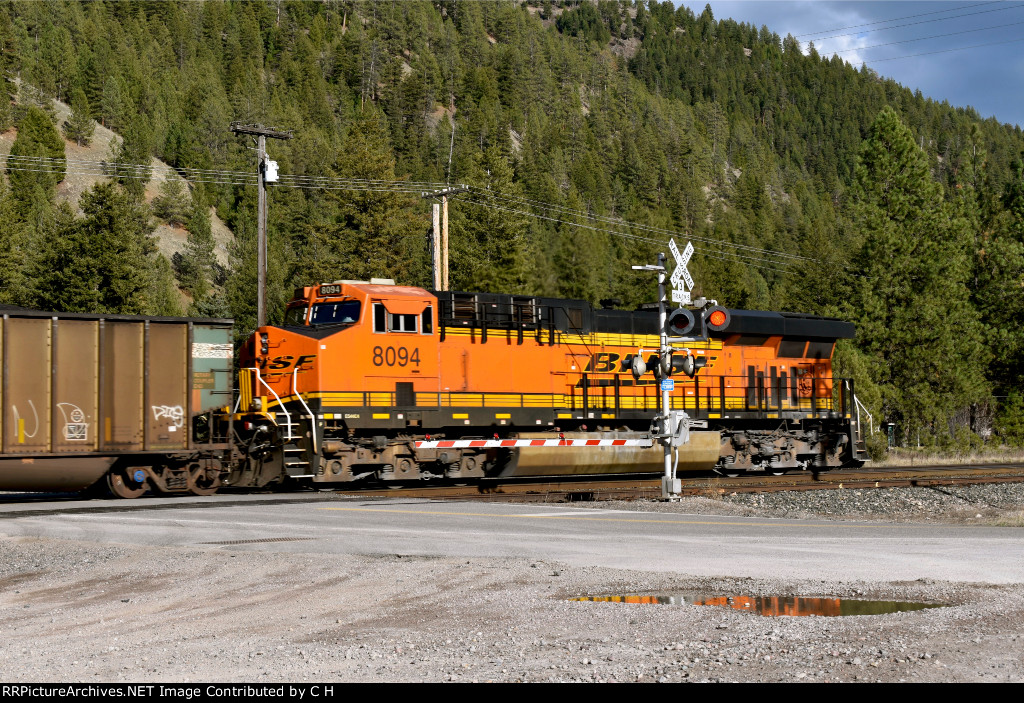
x=649 y=486
x=559 y=490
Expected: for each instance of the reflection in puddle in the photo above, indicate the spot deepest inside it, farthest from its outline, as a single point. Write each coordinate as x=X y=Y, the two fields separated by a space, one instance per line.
x=776 y=605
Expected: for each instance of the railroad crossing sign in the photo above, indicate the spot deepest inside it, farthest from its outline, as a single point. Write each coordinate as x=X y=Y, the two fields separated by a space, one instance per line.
x=681 y=280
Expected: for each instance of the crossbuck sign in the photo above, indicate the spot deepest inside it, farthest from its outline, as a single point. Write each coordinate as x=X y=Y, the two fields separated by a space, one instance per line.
x=682 y=283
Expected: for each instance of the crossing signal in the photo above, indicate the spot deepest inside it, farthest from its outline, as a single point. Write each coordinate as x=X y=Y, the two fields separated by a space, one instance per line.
x=681 y=323
x=697 y=324
x=687 y=364
x=716 y=318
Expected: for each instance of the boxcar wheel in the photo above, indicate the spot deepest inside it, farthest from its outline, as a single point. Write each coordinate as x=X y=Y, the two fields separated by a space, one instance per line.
x=123 y=484
x=202 y=481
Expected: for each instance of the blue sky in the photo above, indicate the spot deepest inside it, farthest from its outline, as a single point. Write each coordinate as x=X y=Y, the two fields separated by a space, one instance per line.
x=987 y=72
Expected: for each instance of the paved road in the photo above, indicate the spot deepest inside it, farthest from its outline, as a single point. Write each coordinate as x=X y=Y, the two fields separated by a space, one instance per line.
x=697 y=545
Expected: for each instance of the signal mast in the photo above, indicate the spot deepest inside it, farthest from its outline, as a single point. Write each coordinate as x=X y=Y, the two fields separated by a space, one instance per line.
x=681 y=327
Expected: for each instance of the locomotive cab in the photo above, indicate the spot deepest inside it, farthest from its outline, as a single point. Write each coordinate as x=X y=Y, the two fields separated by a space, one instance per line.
x=371 y=338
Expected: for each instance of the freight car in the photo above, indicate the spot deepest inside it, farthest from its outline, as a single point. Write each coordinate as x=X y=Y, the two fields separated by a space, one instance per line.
x=121 y=400
x=373 y=380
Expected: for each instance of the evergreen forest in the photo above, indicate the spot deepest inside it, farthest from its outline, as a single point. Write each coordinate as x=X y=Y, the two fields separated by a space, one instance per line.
x=589 y=133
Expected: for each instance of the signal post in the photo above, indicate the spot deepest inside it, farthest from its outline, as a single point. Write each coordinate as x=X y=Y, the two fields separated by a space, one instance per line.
x=681 y=327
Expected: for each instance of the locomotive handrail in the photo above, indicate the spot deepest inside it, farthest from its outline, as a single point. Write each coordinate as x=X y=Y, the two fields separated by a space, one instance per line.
x=860 y=406
x=277 y=398
x=312 y=417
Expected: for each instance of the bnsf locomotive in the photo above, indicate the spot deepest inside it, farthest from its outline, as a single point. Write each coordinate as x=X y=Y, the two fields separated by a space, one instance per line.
x=394 y=383
x=374 y=380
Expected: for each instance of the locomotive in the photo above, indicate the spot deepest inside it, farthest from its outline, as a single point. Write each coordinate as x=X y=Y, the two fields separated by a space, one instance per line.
x=376 y=381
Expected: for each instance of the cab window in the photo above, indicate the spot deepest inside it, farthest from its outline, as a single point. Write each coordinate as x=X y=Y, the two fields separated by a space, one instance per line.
x=343 y=312
x=386 y=321
x=401 y=323
x=295 y=315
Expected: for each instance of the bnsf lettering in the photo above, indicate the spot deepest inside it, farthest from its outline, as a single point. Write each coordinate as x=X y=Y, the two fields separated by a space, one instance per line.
x=602 y=363
x=287 y=361
x=606 y=362
x=392 y=356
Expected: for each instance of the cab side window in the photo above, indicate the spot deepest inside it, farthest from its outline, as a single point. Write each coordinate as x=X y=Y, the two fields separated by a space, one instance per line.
x=384 y=321
x=401 y=323
x=427 y=319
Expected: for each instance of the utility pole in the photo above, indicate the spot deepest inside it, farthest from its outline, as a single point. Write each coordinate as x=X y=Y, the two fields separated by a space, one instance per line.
x=261 y=133
x=440 y=242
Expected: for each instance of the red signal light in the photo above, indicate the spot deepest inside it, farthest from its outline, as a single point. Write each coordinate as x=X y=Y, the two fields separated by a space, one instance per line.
x=718 y=318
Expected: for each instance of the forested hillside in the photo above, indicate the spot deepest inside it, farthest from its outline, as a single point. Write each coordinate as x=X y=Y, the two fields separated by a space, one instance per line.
x=589 y=132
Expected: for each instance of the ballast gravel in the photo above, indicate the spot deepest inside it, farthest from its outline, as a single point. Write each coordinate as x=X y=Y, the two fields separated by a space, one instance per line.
x=77 y=611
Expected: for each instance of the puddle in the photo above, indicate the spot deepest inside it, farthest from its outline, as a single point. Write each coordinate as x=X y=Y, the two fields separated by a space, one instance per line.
x=776 y=605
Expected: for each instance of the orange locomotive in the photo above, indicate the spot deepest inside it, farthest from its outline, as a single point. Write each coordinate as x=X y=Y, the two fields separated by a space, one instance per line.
x=374 y=380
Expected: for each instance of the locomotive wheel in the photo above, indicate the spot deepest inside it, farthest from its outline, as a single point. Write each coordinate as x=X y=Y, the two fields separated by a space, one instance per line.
x=123 y=485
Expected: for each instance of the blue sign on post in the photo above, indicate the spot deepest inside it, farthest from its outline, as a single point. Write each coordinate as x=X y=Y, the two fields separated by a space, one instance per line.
x=668 y=384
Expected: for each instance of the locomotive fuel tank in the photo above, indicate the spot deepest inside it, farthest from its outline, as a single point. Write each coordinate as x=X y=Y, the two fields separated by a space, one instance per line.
x=699 y=454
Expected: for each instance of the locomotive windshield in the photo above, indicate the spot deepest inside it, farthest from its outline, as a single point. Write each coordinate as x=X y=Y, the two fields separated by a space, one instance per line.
x=345 y=312
x=296 y=315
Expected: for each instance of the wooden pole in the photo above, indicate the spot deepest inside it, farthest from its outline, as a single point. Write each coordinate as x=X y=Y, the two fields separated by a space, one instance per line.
x=444 y=242
x=436 y=248
x=441 y=252
x=261 y=233
x=261 y=133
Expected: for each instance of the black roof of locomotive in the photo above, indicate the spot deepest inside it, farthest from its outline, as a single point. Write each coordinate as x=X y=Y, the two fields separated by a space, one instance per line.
x=499 y=310
x=787 y=324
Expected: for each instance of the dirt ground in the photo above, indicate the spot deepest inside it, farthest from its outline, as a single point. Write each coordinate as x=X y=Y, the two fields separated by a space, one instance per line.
x=76 y=611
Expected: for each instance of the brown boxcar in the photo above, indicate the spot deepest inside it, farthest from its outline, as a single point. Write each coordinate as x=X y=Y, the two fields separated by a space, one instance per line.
x=87 y=397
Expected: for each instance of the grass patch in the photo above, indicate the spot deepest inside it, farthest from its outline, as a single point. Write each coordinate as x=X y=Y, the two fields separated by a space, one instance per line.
x=903 y=456
x=1010 y=519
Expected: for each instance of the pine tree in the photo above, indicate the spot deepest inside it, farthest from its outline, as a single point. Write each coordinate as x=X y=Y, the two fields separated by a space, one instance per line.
x=40 y=168
x=80 y=127
x=132 y=156
x=365 y=233
x=13 y=282
x=999 y=291
x=172 y=204
x=100 y=262
x=196 y=267
x=914 y=270
x=490 y=248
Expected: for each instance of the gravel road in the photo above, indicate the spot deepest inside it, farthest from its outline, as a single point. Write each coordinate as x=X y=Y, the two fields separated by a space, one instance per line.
x=75 y=611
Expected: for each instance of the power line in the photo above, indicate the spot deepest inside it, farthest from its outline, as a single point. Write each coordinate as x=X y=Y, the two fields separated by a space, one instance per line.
x=751 y=256
x=646 y=228
x=757 y=262
x=946 y=51
x=934 y=36
x=820 y=35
